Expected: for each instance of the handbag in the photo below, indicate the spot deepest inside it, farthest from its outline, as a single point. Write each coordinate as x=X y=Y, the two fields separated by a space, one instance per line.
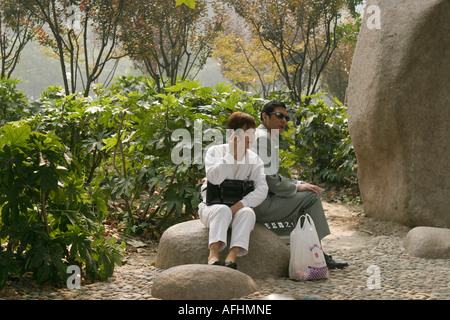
x=307 y=261
x=229 y=192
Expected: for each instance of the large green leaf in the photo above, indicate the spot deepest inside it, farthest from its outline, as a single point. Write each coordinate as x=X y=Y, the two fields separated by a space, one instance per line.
x=16 y=136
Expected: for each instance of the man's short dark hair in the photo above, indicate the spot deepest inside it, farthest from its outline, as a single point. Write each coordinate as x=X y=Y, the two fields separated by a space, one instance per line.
x=270 y=107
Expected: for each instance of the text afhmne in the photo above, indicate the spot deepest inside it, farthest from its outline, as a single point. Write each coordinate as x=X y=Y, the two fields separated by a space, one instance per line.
x=247 y=309
x=232 y=309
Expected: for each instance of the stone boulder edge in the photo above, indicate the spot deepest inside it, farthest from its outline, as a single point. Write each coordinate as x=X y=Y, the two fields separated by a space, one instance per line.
x=428 y=242
x=202 y=282
x=398 y=112
x=187 y=243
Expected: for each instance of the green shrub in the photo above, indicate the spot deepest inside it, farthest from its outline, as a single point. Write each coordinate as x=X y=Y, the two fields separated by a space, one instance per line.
x=47 y=220
x=66 y=157
x=324 y=145
x=13 y=103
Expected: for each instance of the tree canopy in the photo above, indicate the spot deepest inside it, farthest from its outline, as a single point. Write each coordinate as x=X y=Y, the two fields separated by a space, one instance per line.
x=169 y=40
x=280 y=44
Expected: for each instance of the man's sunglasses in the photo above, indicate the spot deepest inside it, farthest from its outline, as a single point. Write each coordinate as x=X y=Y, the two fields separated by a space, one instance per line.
x=279 y=115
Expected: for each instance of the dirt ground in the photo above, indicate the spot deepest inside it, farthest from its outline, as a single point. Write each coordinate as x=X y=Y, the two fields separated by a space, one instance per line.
x=351 y=228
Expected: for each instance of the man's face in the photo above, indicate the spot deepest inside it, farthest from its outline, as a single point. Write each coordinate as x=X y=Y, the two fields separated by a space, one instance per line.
x=272 y=121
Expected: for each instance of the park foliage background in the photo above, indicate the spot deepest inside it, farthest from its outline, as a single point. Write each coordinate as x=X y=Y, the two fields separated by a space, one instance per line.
x=88 y=153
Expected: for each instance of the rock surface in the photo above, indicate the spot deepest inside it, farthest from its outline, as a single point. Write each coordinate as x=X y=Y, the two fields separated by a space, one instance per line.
x=399 y=115
x=202 y=282
x=428 y=242
x=187 y=243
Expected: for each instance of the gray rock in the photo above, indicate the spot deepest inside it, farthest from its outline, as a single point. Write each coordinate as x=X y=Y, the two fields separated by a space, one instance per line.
x=399 y=115
x=428 y=242
x=187 y=243
x=202 y=282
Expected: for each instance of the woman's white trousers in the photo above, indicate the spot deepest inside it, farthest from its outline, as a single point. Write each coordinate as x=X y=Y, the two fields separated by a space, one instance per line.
x=218 y=218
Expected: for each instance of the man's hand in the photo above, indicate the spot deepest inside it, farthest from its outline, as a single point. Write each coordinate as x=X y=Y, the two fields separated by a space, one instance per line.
x=308 y=187
x=235 y=208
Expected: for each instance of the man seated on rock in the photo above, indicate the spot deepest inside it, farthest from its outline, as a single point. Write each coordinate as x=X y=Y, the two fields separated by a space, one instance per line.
x=287 y=199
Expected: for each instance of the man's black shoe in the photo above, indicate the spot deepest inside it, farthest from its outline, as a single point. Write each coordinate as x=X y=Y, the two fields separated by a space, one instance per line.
x=331 y=264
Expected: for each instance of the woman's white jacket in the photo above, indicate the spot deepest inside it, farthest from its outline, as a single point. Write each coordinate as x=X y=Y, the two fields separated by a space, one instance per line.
x=221 y=165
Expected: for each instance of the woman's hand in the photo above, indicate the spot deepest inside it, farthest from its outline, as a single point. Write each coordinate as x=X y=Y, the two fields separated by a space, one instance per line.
x=308 y=187
x=235 y=208
x=236 y=144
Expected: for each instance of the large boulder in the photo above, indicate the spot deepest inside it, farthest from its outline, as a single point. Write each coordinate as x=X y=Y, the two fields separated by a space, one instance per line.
x=202 y=282
x=399 y=113
x=187 y=243
x=428 y=242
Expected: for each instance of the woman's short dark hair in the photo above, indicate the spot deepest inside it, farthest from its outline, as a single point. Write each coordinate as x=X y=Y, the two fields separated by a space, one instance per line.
x=241 y=120
x=270 y=107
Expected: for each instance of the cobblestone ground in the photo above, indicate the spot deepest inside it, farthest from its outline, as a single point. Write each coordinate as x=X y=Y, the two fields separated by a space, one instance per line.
x=379 y=268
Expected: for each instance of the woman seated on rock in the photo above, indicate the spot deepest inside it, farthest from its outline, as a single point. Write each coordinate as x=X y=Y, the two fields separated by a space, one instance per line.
x=232 y=161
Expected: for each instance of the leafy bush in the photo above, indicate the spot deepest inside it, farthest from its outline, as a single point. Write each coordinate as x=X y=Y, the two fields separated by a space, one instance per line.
x=324 y=145
x=47 y=220
x=68 y=162
x=13 y=103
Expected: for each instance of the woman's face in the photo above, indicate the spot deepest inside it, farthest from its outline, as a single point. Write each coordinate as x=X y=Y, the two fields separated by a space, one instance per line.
x=248 y=135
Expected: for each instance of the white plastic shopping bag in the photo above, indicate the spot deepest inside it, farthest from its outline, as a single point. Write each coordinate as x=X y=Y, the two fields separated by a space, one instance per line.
x=307 y=260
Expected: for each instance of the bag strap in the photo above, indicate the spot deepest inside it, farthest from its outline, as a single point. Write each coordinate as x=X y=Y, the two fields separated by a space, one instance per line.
x=299 y=224
x=308 y=218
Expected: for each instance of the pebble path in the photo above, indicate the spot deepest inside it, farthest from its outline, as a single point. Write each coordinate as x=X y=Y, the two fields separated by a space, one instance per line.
x=381 y=269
